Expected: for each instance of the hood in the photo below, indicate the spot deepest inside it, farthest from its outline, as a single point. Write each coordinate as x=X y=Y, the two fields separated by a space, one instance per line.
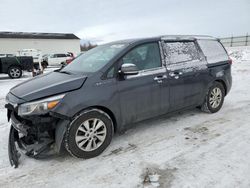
x=47 y=85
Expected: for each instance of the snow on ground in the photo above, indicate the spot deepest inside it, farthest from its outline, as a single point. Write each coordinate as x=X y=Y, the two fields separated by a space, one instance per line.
x=189 y=149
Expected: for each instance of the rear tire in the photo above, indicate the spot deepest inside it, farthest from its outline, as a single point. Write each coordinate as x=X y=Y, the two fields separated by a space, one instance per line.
x=214 y=98
x=89 y=134
x=15 y=72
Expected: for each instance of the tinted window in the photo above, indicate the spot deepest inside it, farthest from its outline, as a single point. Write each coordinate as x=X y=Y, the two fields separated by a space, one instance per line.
x=146 y=56
x=60 y=55
x=94 y=59
x=213 y=50
x=179 y=52
x=111 y=72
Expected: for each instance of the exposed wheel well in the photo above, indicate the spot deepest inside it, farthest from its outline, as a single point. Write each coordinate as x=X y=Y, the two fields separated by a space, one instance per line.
x=224 y=85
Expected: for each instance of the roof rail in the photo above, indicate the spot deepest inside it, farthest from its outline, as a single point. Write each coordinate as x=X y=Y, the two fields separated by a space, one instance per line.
x=187 y=37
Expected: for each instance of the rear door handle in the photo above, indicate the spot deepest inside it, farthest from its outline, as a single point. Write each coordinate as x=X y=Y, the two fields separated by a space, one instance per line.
x=160 y=78
x=175 y=74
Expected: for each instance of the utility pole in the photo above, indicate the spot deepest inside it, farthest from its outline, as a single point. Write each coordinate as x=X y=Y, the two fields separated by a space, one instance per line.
x=246 y=39
x=231 y=41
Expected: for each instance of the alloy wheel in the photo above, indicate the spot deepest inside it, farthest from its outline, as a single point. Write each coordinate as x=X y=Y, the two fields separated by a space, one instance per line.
x=215 y=97
x=91 y=134
x=15 y=73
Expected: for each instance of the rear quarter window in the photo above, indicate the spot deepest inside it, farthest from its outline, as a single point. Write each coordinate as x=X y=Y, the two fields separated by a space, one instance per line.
x=183 y=56
x=178 y=52
x=213 y=50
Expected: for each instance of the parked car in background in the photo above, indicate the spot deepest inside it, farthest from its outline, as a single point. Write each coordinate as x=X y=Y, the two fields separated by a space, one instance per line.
x=13 y=66
x=68 y=61
x=113 y=86
x=57 y=59
x=71 y=58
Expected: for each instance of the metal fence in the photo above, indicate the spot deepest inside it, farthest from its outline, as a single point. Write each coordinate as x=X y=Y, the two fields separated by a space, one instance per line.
x=236 y=41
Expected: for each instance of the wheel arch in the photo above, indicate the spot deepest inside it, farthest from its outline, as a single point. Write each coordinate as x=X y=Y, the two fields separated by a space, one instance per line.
x=62 y=127
x=223 y=83
x=14 y=65
x=104 y=109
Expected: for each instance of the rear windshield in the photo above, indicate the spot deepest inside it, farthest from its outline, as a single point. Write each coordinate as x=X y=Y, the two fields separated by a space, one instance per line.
x=94 y=59
x=213 y=50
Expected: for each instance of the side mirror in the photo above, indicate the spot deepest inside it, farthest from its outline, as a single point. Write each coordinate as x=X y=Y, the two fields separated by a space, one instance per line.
x=129 y=69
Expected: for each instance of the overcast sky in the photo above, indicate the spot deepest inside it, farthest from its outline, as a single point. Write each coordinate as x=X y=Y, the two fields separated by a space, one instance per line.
x=107 y=20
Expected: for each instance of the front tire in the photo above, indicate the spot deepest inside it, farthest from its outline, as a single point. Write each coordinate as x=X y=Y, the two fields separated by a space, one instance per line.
x=214 y=98
x=89 y=134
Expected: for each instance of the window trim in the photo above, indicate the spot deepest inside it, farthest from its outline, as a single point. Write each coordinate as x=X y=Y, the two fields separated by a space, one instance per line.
x=148 y=72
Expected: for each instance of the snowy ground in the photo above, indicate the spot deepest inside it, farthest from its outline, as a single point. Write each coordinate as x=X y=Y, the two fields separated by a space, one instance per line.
x=189 y=149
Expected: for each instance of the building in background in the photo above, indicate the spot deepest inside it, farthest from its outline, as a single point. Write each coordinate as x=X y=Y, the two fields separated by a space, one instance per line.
x=47 y=43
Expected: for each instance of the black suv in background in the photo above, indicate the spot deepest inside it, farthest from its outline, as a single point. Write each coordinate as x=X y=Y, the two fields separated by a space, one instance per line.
x=14 y=66
x=113 y=86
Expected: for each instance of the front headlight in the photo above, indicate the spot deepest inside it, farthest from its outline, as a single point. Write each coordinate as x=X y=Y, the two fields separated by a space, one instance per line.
x=40 y=106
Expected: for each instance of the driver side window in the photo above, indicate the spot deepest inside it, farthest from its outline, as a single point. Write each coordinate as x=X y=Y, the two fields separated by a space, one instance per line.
x=146 y=56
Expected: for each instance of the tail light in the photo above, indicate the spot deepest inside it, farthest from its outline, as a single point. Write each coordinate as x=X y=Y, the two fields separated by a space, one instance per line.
x=230 y=61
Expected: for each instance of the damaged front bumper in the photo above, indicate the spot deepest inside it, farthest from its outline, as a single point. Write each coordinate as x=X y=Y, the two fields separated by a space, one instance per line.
x=36 y=137
x=15 y=143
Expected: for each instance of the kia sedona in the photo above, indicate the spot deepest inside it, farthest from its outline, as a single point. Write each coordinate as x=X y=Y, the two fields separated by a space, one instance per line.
x=111 y=87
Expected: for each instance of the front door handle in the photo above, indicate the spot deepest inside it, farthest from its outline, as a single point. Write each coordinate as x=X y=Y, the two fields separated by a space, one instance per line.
x=160 y=78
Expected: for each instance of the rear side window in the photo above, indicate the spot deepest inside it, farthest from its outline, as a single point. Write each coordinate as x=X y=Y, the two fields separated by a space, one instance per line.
x=213 y=50
x=179 y=52
x=183 y=56
x=61 y=55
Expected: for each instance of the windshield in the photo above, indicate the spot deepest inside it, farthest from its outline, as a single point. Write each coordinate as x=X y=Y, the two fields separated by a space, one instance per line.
x=94 y=59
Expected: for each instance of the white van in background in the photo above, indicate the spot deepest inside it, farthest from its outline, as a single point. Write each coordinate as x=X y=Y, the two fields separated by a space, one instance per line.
x=57 y=59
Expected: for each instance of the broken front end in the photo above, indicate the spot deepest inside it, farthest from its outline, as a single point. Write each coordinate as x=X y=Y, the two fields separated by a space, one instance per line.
x=35 y=130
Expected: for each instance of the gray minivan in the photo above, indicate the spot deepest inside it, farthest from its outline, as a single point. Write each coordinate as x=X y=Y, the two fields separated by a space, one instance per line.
x=111 y=87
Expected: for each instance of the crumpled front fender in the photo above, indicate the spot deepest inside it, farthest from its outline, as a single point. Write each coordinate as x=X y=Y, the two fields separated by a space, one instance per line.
x=59 y=134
